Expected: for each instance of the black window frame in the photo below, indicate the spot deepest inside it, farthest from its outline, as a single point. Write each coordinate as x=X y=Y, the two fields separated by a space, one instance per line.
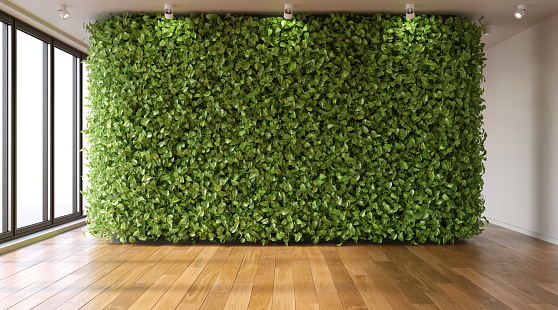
x=47 y=43
x=8 y=140
x=7 y=217
x=76 y=105
x=81 y=135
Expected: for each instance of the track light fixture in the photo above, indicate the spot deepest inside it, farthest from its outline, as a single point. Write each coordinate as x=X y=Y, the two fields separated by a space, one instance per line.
x=486 y=30
x=410 y=10
x=520 y=12
x=169 y=14
x=288 y=12
x=64 y=14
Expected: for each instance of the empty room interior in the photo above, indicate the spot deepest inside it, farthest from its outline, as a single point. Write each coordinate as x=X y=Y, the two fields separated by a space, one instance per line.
x=310 y=154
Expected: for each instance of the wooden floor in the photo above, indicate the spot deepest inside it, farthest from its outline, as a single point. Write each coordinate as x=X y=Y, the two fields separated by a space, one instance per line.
x=500 y=269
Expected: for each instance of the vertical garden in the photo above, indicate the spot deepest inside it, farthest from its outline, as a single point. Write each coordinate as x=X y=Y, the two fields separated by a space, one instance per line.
x=333 y=127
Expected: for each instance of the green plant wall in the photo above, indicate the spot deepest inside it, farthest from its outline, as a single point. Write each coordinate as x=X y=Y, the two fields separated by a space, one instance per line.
x=242 y=128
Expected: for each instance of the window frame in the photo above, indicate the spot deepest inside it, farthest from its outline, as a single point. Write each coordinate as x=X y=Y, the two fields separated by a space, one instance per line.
x=8 y=217
x=47 y=84
x=75 y=107
x=9 y=139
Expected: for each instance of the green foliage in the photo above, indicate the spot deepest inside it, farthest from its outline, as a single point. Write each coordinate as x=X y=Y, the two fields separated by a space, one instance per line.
x=261 y=129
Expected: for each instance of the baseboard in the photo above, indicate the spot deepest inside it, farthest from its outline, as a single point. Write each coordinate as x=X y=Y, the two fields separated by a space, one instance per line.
x=524 y=231
x=36 y=237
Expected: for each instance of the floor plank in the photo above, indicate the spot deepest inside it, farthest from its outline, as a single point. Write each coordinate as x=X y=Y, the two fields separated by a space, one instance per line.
x=219 y=294
x=136 y=290
x=90 y=274
x=323 y=281
x=414 y=293
x=239 y=297
x=304 y=290
x=262 y=290
x=346 y=288
x=499 y=269
x=172 y=297
x=201 y=287
x=112 y=292
x=88 y=294
x=370 y=292
x=248 y=269
x=151 y=296
x=262 y=293
x=489 y=285
x=45 y=293
x=283 y=286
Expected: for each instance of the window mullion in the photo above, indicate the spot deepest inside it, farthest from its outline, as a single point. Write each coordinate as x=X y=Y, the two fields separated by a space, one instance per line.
x=46 y=126
x=5 y=97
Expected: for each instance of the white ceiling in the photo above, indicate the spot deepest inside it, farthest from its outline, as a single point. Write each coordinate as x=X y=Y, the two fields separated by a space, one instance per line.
x=498 y=13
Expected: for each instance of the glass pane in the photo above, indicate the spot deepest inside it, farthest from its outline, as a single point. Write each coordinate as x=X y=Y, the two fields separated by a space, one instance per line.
x=4 y=214
x=31 y=94
x=64 y=100
x=85 y=110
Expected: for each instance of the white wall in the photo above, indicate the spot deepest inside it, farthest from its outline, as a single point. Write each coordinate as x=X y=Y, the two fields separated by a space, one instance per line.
x=521 y=120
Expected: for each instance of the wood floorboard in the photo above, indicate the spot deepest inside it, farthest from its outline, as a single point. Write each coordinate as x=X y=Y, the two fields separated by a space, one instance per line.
x=350 y=260
x=283 y=286
x=248 y=269
x=174 y=295
x=137 y=289
x=502 y=260
x=47 y=292
x=89 y=275
x=120 y=272
x=304 y=290
x=346 y=288
x=201 y=287
x=323 y=281
x=219 y=293
x=415 y=269
x=543 y=307
x=239 y=296
x=469 y=298
x=102 y=300
x=409 y=286
x=486 y=283
x=147 y=298
x=262 y=292
x=499 y=269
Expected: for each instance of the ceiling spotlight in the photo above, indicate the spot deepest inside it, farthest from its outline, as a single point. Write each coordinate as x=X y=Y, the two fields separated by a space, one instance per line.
x=410 y=10
x=61 y=8
x=520 y=12
x=169 y=14
x=288 y=13
x=486 y=30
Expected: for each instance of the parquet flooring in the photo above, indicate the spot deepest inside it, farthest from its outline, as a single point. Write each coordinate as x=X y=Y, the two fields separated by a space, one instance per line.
x=499 y=269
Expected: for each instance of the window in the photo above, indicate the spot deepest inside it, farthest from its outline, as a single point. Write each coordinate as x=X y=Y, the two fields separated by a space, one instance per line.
x=40 y=121
x=31 y=108
x=65 y=113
